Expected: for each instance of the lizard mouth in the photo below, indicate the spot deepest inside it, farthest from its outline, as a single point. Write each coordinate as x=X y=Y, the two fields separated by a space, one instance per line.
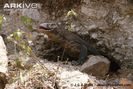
x=47 y=26
x=46 y=29
x=44 y=26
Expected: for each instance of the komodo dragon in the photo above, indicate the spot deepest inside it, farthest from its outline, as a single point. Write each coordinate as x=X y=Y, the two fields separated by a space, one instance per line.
x=58 y=33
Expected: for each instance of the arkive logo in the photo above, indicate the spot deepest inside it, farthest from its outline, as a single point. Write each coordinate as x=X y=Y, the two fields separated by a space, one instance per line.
x=22 y=6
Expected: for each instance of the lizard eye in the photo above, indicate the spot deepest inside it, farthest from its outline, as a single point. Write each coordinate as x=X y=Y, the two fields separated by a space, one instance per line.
x=53 y=25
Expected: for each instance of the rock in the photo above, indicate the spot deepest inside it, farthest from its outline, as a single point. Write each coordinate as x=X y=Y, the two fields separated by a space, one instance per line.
x=96 y=65
x=3 y=80
x=93 y=11
x=3 y=64
x=73 y=80
x=3 y=56
x=32 y=13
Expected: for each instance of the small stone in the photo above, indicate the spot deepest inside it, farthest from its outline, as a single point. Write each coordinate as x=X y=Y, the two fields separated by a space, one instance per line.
x=3 y=80
x=96 y=65
x=94 y=35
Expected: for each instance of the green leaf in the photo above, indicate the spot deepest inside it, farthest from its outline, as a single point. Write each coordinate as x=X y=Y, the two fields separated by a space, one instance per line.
x=1 y=20
x=21 y=77
x=30 y=27
x=23 y=46
x=18 y=62
x=26 y=20
x=17 y=34
x=28 y=50
x=71 y=13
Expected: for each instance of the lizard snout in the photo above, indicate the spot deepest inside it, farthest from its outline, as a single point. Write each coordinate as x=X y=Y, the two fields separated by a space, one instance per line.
x=47 y=26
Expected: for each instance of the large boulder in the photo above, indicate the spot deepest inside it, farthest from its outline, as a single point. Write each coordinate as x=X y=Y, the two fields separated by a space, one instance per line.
x=109 y=24
x=3 y=56
x=96 y=65
x=3 y=64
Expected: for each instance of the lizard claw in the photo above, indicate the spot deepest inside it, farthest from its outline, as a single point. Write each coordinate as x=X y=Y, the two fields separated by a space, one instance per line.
x=76 y=63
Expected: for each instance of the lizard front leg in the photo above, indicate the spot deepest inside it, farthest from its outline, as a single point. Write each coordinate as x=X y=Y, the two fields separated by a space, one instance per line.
x=82 y=56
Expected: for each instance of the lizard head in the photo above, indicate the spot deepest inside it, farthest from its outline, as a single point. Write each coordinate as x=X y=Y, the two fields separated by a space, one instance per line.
x=47 y=26
x=50 y=30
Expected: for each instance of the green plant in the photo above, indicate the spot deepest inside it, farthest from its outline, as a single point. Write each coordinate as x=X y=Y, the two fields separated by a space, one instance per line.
x=27 y=22
x=1 y=21
x=71 y=13
x=23 y=51
x=20 y=39
x=17 y=38
x=70 y=16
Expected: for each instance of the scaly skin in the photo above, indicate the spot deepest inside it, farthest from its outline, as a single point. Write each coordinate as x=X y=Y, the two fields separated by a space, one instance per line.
x=72 y=42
